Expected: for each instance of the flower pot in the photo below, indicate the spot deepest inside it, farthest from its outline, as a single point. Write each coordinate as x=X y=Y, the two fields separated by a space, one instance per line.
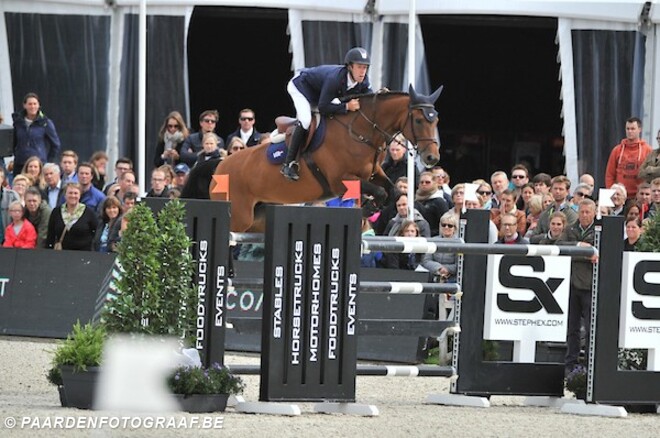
x=79 y=387
x=199 y=403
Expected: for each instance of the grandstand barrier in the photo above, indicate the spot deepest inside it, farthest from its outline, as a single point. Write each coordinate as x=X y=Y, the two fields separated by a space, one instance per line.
x=43 y=293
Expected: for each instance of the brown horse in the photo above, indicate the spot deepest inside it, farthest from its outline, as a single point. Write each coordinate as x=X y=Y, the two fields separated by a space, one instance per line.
x=353 y=147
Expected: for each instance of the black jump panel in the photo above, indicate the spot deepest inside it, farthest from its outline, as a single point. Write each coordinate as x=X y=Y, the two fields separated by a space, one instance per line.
x=207 y=224
x=477 y=376
x=309 y=342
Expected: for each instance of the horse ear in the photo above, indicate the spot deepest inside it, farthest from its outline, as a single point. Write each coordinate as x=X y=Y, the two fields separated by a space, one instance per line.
x=433 y=97
x=413 y=93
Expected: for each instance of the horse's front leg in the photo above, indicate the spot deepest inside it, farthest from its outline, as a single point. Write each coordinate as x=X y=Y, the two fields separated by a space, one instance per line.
x=380 y=179
x=376 y=196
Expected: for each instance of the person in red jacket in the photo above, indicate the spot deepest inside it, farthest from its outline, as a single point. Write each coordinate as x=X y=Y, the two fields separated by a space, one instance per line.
x=627 y=157
x=20 y=233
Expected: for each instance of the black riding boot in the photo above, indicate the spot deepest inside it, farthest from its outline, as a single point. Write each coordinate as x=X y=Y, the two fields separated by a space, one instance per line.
x=290 y=166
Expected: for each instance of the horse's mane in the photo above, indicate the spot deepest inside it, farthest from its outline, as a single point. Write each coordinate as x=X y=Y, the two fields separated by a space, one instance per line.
x=385 y=95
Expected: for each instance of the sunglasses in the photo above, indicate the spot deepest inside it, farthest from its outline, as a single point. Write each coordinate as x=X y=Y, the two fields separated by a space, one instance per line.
x=518 y=176
x=172 y=126
x=580 y=194
x=237 y=148
x=247 y=118
x=209 y=121
x=447 y=225
x=484 y=192
x=425 y=182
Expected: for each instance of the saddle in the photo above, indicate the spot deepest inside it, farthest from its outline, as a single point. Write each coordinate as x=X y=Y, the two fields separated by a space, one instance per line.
x=276 y=152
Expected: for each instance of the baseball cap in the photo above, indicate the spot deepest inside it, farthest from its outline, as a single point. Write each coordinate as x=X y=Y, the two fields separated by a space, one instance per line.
x=181 y=168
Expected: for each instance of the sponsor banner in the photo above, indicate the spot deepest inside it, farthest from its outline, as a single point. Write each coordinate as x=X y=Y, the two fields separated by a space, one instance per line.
x=640 y=301
x=527 y=298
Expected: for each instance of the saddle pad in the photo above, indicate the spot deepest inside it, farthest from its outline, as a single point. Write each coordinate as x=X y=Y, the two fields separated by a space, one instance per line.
x=276 y=153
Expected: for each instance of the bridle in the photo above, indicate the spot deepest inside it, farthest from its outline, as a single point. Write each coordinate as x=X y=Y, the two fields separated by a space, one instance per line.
x=388 y=138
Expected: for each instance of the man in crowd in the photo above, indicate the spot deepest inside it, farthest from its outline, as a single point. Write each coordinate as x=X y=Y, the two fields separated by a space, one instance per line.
x=541 y=183
x=125 y=185
x=246 y=131
x=500 y=182
x=560 y=189
x=181 y=172
x=192 y=145
x=580 y=233
x=122 y=165
x=510 y=236
x=430 y=202
x=627 y=157
x=38 y=213
x=91 y=196
x=69 y=163
x=53 y=193
x=158 y=185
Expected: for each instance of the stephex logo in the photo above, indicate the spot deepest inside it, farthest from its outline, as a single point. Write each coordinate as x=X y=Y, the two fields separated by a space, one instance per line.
x=642 y=287
x=543 y=290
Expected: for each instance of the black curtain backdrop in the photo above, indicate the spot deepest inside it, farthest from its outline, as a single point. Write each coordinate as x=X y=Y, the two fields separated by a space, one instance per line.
x=608 y=71
x=165 y=83
x=65 y=60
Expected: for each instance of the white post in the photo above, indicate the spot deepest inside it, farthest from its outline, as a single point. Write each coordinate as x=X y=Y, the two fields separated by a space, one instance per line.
x=142 y=97
x=411 y=78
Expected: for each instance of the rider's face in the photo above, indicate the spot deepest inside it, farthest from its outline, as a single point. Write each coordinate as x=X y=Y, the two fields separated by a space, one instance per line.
x=358 y=71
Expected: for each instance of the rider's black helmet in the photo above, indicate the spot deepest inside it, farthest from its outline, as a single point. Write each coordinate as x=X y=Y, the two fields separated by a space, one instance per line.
x=357 y=55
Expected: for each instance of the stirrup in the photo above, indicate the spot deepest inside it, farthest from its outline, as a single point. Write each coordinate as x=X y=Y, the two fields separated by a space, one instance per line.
x=290 y=171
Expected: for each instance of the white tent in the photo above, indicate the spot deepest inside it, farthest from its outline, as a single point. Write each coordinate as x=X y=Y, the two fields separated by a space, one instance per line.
x=114 y=108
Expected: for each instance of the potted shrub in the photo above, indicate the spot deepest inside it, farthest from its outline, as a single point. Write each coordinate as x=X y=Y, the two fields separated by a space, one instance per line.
x=155 y=292
x=204 y=390
x=75 y=365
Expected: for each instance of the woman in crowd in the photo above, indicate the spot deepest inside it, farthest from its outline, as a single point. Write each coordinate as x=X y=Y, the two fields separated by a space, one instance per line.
x=73 y=224
x=99 y=160
x=458 y=198
x=485 y=194
x=403 y=260
x=19 y=233
x=236 y=144
x=34 y=134
x=110 y=208
x=548 y=200
x=34 y=168
x=526 y=194
x=558 y=223
x=373 y=258
x=171 y=135
x=395 y=224
x=210 y=149
x=618 y=199
x=535 y=206
x=634 y=231
x=20 y=185
x=442 y=265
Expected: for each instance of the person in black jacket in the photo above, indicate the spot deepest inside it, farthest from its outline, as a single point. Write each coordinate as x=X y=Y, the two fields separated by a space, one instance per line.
x=73 y=223
x=322 y=87
x=246 y=130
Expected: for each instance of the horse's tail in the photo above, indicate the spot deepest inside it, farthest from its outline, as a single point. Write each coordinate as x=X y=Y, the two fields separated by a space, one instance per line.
x=199 y=180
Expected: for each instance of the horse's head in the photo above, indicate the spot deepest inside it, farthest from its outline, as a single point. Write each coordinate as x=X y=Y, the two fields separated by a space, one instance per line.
x=422 y=131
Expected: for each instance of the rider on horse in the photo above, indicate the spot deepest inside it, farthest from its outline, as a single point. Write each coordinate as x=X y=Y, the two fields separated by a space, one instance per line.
x=322 y=87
